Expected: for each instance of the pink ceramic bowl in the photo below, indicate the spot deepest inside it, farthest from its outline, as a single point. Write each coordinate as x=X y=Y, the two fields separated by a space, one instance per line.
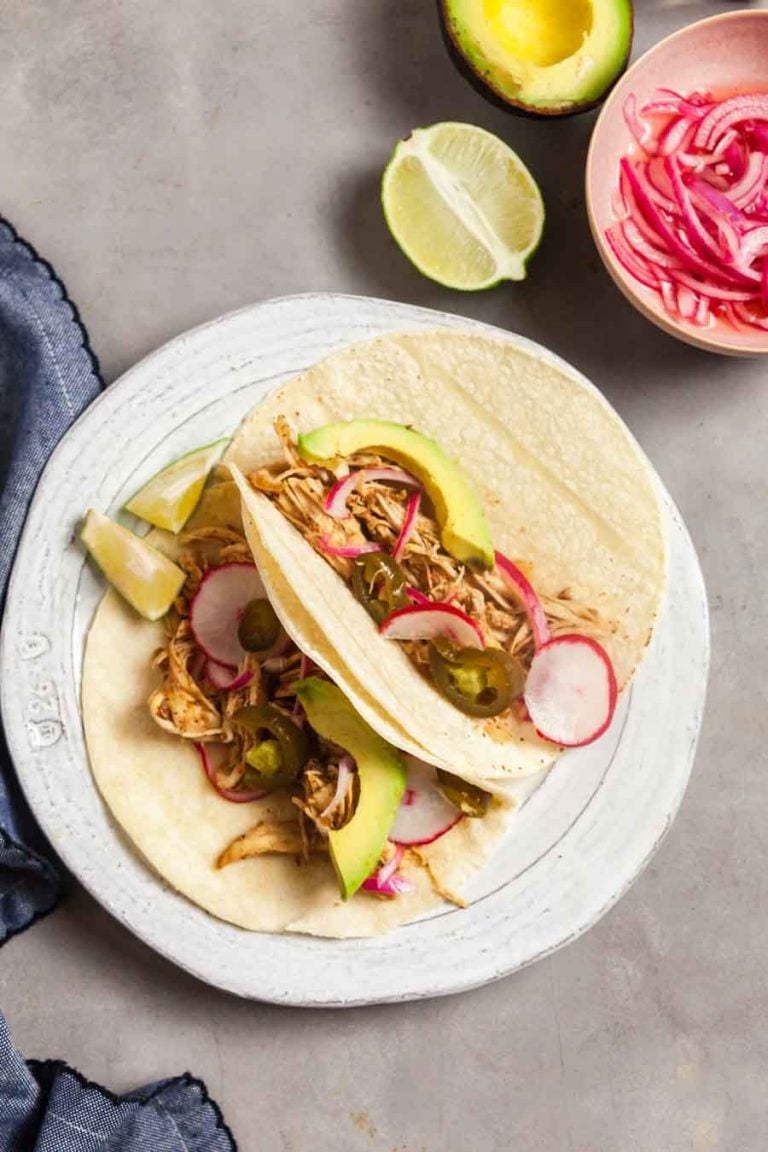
x=722 y=53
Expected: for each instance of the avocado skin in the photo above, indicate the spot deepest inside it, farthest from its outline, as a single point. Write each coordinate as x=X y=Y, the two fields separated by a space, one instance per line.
x=484 y=85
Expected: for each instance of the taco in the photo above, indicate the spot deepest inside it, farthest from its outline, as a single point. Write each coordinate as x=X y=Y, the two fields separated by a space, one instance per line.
x=239 y=770
x=465 y=537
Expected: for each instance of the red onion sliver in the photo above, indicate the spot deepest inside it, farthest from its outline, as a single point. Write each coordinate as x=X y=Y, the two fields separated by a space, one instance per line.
x=409 y=523
x=336 y=500
x=346 y=772
x=418 y=597
x=675 y=136
x=713 y=291
x=395 y=886
x=533 y=606
x=692 y=206
x=391 y=865
x=729 y=112
x=639 y=269
x=695 y=230
x=636 y=126
x=347 y=551
x=749 y=318
x=701 y=316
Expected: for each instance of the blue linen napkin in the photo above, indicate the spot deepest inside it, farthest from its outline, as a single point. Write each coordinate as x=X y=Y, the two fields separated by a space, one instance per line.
x=48 y=376
x=47 y=1107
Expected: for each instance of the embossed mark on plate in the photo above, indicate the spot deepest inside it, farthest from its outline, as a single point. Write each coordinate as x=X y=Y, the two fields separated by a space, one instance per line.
x=34 y=645
x=44 y=726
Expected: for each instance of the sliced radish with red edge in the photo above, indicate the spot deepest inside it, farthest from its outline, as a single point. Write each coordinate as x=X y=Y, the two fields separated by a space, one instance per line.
x=424 y=814
x=571 y=691
x=429 y=621
x=218 y=606
x=208 y=755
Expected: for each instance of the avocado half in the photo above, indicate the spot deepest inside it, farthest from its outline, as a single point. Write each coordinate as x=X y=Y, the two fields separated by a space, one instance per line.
x=540 y=57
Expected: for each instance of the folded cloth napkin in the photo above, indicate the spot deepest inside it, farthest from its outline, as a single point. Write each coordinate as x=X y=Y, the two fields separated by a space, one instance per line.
x=48 y=376
x=47 y=1107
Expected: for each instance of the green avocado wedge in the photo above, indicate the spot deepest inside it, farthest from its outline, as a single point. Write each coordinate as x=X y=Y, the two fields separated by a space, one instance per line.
x=541 y=57
x=463 y=527
x=356 y=848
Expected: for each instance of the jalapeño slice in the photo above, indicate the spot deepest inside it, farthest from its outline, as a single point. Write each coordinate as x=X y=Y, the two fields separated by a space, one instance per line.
x=379 y=583
x=282 y=748
x=480 y=682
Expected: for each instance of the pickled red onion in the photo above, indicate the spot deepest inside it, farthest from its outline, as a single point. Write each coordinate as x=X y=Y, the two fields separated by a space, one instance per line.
x=537 y=617
x=346 y=551
x=693 y=198
x=336 y=500
x=409 y=523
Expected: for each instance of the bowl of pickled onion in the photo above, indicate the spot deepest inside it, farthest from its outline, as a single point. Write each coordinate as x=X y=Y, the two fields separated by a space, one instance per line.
x=677 y=184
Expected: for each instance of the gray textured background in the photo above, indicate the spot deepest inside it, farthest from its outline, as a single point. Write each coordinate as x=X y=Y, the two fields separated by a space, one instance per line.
x=176 y=161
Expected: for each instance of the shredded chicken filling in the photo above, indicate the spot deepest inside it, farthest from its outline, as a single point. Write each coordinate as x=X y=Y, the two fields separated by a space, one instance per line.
x=376 y=513
x=186 y=704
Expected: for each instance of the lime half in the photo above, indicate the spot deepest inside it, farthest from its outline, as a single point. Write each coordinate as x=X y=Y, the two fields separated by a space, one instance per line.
x=147 y=579
x=171 y=496
x=462 y=206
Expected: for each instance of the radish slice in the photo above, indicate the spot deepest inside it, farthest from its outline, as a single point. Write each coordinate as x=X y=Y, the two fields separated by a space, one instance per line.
x=336 y=500
x=223 y=680
x=231 y=794
x=424 y=814
x=427 y=622
x=409 y=523
x=218 y=605
x=571 y=691
x=537 y=617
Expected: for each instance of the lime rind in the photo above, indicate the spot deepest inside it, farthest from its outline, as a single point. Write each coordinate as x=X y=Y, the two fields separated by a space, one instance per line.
x=170 y=497
x=142 y=575
x=510 y=264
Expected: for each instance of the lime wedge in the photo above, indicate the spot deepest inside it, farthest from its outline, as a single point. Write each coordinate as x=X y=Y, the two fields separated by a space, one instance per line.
x=462 y=206
x=170 y=497
x=147 y=579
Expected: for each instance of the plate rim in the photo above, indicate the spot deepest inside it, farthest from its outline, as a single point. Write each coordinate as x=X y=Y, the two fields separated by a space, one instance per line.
x=402 y=314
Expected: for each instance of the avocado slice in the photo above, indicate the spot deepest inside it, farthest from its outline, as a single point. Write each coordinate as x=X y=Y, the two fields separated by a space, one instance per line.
x=544 y=57
x=356 y=848
x=462 y=523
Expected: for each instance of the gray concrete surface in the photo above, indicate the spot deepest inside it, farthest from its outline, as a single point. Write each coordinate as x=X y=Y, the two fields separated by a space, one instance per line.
x=178 y=160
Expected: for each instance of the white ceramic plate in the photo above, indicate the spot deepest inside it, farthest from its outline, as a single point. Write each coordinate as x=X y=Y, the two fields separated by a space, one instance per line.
x=576 y=846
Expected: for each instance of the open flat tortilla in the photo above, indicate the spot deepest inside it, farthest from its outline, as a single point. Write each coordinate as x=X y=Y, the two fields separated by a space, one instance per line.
x=564 y=488
x=154 y=787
